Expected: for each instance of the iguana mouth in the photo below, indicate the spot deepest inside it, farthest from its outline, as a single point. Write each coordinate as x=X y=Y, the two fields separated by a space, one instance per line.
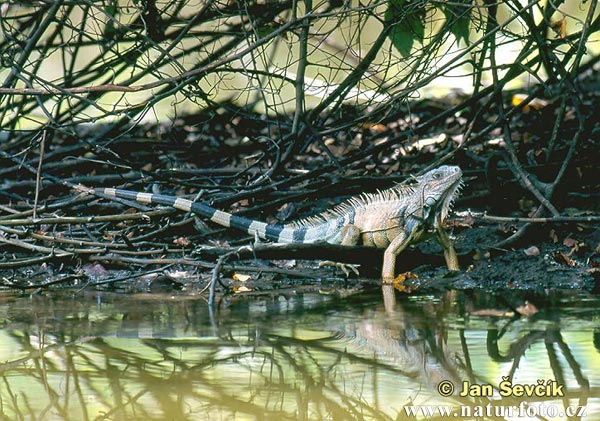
x=449 y=196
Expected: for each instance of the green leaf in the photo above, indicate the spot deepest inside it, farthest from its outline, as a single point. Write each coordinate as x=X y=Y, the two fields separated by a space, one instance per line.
x=458 y=17
x=110 y=31
x=406 y=19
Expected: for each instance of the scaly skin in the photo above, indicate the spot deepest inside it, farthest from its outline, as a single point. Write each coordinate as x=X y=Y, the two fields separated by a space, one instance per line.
x=390 y=219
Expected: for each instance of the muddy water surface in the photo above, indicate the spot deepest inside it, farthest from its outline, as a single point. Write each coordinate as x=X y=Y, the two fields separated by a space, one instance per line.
x=127 y=357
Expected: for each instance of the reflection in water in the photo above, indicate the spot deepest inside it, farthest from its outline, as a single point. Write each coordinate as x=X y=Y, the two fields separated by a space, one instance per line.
x=305 y=357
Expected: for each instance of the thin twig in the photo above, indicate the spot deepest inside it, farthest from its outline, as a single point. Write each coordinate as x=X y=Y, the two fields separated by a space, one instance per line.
x=88 y=219
x=38 y=176
x=554 y=219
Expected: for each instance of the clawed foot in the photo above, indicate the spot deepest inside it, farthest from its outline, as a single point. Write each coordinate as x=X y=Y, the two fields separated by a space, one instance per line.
x=345 y=267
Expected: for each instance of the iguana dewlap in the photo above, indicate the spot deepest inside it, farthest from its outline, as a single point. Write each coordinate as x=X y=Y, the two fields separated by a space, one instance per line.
x=391 y=219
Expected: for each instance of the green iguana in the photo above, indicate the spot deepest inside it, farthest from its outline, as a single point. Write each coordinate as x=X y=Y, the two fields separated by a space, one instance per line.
x=390 y=219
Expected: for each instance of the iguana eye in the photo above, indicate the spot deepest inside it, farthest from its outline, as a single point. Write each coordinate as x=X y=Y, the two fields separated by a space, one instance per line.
x=437 y=175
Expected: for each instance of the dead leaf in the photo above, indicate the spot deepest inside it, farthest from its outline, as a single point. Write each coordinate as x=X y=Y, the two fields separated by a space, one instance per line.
x=241 y=277
x=182 y=241
x=399 y=281
x=562 y=258
x=535 y=103
x=560 y=27
x=240 y=289
x=374 y=127
x=532 y=251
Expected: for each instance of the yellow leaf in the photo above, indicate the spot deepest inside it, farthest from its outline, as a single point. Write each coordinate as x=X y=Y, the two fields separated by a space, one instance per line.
x=240 y=277
x=237 y=290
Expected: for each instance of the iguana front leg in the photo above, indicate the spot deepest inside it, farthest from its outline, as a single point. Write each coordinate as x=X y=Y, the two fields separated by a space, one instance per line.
x=389 y=257
x=449 y=252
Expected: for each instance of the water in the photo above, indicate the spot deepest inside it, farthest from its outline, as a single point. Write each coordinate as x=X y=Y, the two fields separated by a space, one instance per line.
x=128 y=357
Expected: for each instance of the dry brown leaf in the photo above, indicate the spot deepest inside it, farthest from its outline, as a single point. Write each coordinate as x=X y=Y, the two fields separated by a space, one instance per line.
x=532 y=251
x=182 y=241
x=399 y=281
x=374 y=127
x=562 y=258
x=560 y=27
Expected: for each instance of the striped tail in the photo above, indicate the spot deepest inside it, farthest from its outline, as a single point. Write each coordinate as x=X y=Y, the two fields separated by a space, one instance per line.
x=277 y=233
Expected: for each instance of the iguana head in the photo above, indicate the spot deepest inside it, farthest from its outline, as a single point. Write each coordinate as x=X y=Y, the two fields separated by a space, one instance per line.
x=434 y=193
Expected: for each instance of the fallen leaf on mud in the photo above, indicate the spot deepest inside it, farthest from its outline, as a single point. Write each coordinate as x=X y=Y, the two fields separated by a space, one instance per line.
x=399 y=281
x=376 y=127
x=563 y=259
x=241 y=277
x=237 y=290
x=532 y=251
x=535 y=103
x=527 y=309
x=492 y=312
x=182 y=241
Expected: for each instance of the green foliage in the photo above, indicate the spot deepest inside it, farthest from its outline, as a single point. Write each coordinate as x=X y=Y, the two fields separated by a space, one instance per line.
x=110 y=31
x=408 y=17
x=458 y=18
